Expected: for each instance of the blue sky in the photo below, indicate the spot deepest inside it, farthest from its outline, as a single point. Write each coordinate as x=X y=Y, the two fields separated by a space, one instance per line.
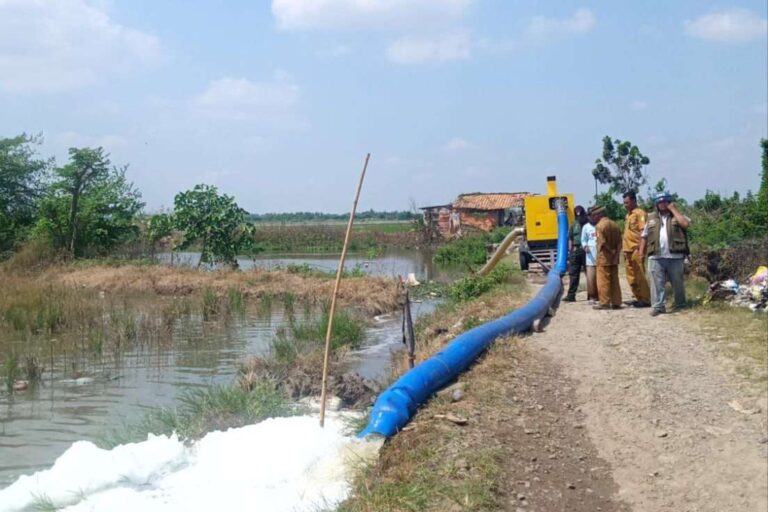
x=277 y=102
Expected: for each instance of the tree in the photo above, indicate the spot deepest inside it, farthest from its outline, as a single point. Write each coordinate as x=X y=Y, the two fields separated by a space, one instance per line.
x=762 y=193
x=160 y=226
x=22 y=177
x=215 y=221
x=91 y=208
x=614 y=210
x=622 y=166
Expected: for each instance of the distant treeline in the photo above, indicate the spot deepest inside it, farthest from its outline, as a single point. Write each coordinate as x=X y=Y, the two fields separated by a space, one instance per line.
x=320 y=216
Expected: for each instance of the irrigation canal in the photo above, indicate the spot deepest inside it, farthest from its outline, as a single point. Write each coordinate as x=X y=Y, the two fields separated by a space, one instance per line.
x=84 y=397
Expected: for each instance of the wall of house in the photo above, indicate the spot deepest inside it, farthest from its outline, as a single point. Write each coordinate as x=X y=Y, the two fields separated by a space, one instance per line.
x=484 y=220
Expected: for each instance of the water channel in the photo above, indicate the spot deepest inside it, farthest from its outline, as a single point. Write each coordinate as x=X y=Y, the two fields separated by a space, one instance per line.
x=85 y=396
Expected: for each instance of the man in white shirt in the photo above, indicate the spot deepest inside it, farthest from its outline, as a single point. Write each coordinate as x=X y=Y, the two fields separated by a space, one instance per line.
x=665 y=241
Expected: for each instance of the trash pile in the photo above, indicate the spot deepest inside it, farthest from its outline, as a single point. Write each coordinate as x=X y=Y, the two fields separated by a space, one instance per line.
x=753 y=294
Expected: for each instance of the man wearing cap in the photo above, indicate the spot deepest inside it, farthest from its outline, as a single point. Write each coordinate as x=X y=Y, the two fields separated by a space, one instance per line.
x=665 y=241
x=634 y=223
x=608 y=256
x=577 y=260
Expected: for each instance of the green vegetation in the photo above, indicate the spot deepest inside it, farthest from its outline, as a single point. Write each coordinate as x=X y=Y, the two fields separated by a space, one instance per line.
x=424 y=477
x=22 y=177
x=89 y=208
x=329 y=238
x=622 y=166
x=473 y=286
x=467 y=250
x=204 y=410
x=299 y=338
x=300 y=217
x=10 y=370
x=213 y=221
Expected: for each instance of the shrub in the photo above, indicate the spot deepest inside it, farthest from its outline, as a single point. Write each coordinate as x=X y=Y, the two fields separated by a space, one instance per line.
x=476 y=285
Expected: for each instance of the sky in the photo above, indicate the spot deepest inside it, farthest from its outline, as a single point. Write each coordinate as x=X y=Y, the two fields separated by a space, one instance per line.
x=277 y=103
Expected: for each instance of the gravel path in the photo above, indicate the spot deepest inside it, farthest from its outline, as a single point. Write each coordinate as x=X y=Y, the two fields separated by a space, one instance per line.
x=680 y=430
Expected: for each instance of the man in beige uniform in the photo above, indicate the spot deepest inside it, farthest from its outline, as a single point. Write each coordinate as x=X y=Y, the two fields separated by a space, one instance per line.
x=608 y=256
x=634 y=223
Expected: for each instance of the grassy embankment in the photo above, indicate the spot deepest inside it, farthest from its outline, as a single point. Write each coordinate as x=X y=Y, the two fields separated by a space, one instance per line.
x=434 y=464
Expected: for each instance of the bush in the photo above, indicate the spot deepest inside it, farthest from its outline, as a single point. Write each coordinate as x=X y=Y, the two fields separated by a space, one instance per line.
x=467 y=250
x=476 y=285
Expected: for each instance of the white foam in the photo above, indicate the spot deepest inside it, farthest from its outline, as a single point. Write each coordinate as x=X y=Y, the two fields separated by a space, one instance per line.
x=281 y=464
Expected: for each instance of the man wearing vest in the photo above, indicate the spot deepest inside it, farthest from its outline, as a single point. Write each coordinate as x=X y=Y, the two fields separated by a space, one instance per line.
x=665 y=241
x=634 y=223
x=608 y=256
x=577 y=259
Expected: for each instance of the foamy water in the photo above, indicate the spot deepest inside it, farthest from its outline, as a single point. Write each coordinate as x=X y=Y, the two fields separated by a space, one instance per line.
x=280 y=464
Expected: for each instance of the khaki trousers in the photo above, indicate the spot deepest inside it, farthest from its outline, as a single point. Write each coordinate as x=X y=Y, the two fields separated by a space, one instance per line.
x=636 y=277
x=591 y=282
x=608 y=287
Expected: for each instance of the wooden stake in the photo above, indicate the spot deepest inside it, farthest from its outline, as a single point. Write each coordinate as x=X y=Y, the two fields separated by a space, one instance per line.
x=327 y=356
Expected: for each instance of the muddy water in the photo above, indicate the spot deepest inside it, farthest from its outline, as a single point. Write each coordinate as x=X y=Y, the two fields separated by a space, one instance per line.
x=393 y=262
x=84 y=397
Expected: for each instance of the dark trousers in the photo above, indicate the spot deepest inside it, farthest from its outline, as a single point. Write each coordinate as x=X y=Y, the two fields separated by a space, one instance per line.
x=577 y=263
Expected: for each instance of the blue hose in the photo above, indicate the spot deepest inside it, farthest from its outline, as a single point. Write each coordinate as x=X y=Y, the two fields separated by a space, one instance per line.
x=395 y=405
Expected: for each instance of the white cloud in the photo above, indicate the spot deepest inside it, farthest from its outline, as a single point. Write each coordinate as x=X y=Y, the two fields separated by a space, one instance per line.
x=66 y=44
x=731 y=26
x=237 y=100
x=412 y=49
x=638 y=105
x=371 y=14
x=334 y=52
x=456 y=145
x=541 y=28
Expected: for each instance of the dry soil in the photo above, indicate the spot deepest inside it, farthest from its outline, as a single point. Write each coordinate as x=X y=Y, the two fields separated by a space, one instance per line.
x=679 y=428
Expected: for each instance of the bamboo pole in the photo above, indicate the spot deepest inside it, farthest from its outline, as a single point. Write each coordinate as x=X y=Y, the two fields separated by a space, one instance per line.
x=340 y=270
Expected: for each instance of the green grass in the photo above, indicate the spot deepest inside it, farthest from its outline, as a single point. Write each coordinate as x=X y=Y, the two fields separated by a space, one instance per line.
x=424 y=477
x=43 y=503
x=473 y=286
x=205 y=410
x=467 y=250
x=11 y=370
x=300 y=337
x=384 y=227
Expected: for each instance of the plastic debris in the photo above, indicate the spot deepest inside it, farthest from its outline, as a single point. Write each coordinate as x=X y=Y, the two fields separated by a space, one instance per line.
x=753 y=294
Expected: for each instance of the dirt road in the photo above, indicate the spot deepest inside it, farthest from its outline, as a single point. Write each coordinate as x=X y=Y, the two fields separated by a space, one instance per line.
x=680 y=430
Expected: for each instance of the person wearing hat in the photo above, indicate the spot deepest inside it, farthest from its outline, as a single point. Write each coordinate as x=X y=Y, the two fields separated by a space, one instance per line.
x=577 y=261
x=665 y=242
x=608 y=256
x=634 y=223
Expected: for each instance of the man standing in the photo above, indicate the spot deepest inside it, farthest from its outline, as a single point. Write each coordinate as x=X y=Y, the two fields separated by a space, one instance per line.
x=608 y=256
x=589 y=244
x=575 y=249
x=634 y=223
x=665 y=241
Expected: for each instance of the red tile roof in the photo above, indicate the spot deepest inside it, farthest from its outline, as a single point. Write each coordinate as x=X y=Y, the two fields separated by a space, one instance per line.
x=491 y=201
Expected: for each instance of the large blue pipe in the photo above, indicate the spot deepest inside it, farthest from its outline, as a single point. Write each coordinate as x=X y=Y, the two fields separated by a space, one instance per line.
x=395 y=405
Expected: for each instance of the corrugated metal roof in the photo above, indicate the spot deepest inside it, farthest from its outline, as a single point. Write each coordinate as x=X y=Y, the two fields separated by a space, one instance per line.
x=492 y=201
